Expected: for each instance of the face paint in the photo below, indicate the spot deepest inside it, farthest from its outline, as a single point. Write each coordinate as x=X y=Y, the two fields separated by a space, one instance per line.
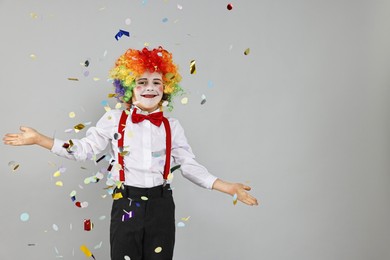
x=148 y=91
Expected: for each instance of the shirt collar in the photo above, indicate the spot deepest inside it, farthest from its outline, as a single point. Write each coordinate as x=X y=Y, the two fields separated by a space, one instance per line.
x=140 y=111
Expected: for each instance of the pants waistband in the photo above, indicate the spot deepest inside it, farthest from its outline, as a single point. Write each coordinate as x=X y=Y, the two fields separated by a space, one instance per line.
x=149 y=193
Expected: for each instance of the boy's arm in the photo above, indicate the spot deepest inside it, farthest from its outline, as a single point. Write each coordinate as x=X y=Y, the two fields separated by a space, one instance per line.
x=236 y=188
x=28 y=136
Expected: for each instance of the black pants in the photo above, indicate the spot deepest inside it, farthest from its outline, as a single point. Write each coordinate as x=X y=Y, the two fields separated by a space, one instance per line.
x=149 y=234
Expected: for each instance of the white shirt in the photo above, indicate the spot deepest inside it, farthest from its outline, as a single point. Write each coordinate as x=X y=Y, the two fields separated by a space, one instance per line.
x=145 y=143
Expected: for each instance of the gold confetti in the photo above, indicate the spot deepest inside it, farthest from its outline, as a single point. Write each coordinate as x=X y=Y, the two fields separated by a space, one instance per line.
x=32 y=56
x=59 y=184
x=146 y=44
x=144 y=198
x=118 y=105
x=72 y=114
x=246 y=52
x=117 y=196
x=74 y=79
x=107 y=108
x=158 y=249
x=14 y=165
x=111 y=95
x=184 y=100
x=192 y=67
x=78 y=127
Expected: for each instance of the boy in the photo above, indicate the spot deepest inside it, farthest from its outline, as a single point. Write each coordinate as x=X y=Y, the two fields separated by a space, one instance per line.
x=142 y=144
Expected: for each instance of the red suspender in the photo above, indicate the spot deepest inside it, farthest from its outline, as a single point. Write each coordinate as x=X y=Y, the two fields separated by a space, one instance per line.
x=168 y=147
x=168 y=142
x=121 y=128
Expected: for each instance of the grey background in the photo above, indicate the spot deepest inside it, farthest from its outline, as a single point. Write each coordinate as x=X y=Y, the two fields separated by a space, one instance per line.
x=303 y=119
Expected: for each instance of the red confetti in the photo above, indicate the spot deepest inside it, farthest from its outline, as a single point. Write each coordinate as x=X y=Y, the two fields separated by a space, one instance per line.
x=229 y=7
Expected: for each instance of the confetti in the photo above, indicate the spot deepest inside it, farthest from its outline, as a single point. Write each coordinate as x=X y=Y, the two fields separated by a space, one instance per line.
x=117 y=196
x=246 y=52
x=164 y=20
x=33 y=15
x=203 y=99
x=86 y=251
x=99 y=245
x=13 y=165
x=78 y=127
x=127 y=257
x=96 y=79
x=158 y=249
x=72 y=114
x=74 y=79
x=186 y=219
x=33 y=57
x=179 y=7
x=24 y=217
x=102 y=217
x=101 y=158
x=229 y=7
x=144 y=198
x=59 y=183
x=86 y=73
x=31 y=244
x=165 y=103
x=127 y=215
x=210 y=84
x=88 y=225
x=55 y=227
x=118 y=105
x=181 y=224
x=128 y=21
x=235 y=199
x=57 y=174
x=176 y=167
x=184 y=100
x=192 y=67
x=86 y=63
x=121 y=33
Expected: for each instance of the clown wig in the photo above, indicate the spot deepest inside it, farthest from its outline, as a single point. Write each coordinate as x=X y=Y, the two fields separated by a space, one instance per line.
x=133 y=63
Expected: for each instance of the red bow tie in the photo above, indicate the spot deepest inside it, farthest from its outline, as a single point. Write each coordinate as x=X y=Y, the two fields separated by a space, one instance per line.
x=154 y=118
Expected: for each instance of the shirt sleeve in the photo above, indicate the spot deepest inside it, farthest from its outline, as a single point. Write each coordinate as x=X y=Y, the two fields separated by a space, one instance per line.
x=182 y=155
x=93 y=143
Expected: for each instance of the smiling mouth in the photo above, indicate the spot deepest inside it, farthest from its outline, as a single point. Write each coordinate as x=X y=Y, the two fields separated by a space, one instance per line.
x=149 y=96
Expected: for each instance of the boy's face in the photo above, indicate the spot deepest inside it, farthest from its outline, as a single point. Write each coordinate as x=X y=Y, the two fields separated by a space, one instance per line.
x=148 y=91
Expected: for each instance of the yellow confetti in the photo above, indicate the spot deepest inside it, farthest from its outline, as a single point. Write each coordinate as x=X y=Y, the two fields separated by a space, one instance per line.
x=72 y=114
x=118 y=105
x=144 y=198
x=74 y=79
x=192 y=67
x=184 y=100
x=57 y=174
x=107 y=108
x=59 y=184
x=146 y=44
x=158 y=249
x=130 y=134
x=117 y=196
x=96 y=79
x=33 y=15
x=32 y=56
x=111 y=95
x=186 y=219
x=246 y=52
x=170 y=176
x=86 y=251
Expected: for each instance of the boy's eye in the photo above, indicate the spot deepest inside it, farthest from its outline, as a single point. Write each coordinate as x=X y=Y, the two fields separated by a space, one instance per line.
x=141 y=82
x=157 y=82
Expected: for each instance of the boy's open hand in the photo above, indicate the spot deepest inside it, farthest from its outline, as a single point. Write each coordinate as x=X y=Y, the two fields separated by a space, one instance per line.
x=236 y=188
x=27 y=136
